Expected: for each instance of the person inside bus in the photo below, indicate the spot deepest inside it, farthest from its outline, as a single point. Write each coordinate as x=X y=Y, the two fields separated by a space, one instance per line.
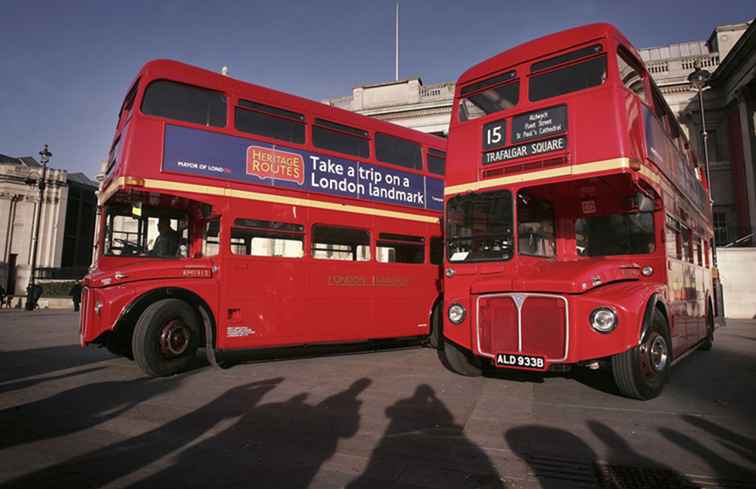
x=167 y=241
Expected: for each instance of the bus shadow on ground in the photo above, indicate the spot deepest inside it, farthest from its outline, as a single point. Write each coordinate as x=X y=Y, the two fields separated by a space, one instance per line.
x=231 y=358
x=558 y=459
x=238 y=440
x=40 y=361
x=77 y=409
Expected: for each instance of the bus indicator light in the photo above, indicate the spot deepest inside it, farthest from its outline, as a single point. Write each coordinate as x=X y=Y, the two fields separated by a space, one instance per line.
x=589 y=206
x=274 y=164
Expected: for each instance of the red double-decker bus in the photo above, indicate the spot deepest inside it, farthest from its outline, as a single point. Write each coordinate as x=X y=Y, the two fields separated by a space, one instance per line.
x=233 y=216
x=578 y=225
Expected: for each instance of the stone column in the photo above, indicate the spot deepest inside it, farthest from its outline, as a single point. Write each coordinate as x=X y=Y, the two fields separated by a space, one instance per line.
x=746 y=128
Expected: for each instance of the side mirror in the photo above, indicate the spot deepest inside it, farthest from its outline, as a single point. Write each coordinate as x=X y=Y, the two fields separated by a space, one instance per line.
x=644 y=202
x=639 y=202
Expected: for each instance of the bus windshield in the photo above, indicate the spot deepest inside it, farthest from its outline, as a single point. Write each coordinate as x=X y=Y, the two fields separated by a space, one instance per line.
x=615 y=234
x=146 y=232
x=479 y=227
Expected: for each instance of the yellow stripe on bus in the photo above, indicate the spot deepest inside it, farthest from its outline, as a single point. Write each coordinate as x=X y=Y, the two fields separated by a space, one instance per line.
x=271 y=198
x=596 y=166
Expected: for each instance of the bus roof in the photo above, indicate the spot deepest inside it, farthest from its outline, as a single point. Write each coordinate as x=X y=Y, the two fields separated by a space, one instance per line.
x=176 y=70
x=543 y=46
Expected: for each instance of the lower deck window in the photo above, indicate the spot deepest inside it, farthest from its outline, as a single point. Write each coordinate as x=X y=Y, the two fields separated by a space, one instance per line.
x=479 y=227
x=337 y=243
x=398 y=248
x=536 y=229
x=267 y=238
x=615 y=234
x=146 y=231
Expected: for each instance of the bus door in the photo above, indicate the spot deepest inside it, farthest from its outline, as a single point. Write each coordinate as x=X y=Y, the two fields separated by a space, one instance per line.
x=339 y=288
x=262 y=283
x=404 y=282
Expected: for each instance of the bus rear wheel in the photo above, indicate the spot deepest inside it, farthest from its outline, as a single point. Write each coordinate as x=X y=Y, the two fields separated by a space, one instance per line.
x=166 y=337
x=642 y=372
x=459 y=360
x=437 y=321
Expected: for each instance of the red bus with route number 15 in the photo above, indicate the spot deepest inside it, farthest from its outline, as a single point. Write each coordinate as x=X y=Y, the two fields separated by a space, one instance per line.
x=578 y=224
x=233 y=216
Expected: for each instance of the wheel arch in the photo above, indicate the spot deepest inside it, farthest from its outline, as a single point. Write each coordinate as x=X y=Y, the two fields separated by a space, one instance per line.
x=436 y=322
x=124 y=325
x=654 y=303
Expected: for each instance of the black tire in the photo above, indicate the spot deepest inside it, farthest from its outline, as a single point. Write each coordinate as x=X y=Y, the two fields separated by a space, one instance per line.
x=166 y=337
x=708 y=342
x=459 y=360
x=437 y=322
x=119 y=346
x=642 y=371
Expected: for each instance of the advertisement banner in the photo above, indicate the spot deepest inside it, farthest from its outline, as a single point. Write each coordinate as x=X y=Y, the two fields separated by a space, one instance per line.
x=208 y=154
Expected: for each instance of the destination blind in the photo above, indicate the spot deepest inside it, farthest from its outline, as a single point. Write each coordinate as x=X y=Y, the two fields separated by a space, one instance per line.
x=524 y=150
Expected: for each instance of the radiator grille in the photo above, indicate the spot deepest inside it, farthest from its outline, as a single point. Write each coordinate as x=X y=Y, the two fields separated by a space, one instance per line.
x=529 y=323
x=498 y=324
x=543 y=326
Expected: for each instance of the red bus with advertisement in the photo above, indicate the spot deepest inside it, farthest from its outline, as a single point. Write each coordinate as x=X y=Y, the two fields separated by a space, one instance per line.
x=233 y=216
x=578 y=224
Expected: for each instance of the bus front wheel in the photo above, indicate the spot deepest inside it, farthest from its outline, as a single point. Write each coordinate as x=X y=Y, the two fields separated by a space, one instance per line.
x=166 y=337
x=642 y=371
x=437 y=321
x=459 y=360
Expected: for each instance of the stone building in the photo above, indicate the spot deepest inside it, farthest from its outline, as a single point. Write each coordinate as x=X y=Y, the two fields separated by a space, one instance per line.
x=407 y=103
x=670 y=67
x=65 y=224
x=730 y=108
x=428 y=108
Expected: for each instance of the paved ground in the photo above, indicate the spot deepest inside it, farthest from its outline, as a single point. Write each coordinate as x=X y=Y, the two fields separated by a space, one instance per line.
x=387 y=419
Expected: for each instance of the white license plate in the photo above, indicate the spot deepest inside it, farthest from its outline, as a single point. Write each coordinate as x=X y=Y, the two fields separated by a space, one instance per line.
x=518 y=360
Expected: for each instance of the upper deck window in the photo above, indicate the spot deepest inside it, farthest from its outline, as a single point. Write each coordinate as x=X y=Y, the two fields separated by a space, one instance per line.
x=495 y=94
x=436 y=162
x=270 y=121
x=182 y=102
x=630 y=75
x=128 y=102
x=341 y=138
x=586 y=74
x=565 y=58
x=391 y=149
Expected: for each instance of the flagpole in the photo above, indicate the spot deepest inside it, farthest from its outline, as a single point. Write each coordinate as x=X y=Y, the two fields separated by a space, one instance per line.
x=397 y=42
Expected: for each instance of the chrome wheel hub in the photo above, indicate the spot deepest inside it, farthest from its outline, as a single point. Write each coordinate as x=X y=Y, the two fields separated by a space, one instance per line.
x=174 y=338
x=658 y=354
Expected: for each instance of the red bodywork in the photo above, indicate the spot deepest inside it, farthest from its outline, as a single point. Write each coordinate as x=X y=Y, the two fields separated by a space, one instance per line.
x=606 y=154
x=275 y=300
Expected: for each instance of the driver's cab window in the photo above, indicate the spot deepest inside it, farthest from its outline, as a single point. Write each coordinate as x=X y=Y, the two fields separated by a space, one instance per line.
x=146 y=232
x=211 y=238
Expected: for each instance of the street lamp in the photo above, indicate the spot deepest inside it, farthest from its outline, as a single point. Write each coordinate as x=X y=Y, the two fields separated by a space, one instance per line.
x=699 y=80
x=31 y=292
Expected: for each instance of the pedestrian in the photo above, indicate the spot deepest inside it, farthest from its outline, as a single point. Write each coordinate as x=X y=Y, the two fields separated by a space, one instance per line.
x=75 y=294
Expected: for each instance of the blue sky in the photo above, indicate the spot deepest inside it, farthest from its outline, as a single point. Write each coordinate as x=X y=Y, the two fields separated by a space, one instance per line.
x=66 y=65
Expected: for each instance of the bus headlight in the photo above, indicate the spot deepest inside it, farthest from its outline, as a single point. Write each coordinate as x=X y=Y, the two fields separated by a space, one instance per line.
x=603 y=320
x=456 y=313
